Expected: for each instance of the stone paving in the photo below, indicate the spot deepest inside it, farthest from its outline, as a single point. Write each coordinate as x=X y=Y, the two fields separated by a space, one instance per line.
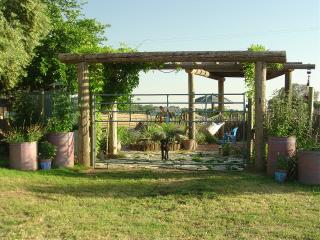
x=184 y=160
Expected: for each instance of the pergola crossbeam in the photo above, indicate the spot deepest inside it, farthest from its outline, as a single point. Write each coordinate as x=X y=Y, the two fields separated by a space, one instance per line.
x=183 y=56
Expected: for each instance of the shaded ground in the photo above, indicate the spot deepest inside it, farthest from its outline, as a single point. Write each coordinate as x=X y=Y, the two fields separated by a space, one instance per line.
x=154 y=204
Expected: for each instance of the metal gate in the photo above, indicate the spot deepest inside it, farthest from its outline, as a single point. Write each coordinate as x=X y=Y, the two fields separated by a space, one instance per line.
x=136 y=109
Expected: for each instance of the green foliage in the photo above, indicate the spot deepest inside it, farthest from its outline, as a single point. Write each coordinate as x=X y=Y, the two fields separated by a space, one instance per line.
x=285 y=120
x=23 y=134
x=47 y=150
x=249 y=70
x=172 y=130
x=155 y=132
x=64 y=115
x=23 y=23
x=226 y=149
x=201 y=137
x=70 y=32
x=282 y=163
x=26 y=109
x=128 y=136
x=299 y=91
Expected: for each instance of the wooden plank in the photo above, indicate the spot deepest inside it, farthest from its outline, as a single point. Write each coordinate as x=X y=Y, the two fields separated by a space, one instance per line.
x=183 y=56
x=84 y=124
x=260 y=109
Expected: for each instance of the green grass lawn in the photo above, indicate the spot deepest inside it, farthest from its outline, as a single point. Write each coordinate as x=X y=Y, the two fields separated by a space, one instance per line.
x=145 y=204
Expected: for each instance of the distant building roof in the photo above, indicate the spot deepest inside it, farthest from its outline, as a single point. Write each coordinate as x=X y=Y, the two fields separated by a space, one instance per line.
x=213 y=98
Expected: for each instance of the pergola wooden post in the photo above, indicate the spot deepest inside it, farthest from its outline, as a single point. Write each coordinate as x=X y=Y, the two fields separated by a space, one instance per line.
x=221 y=94
x=221 y=101
x=84 y=123
x=288 y=86
x=191 y=113
x=260 y=109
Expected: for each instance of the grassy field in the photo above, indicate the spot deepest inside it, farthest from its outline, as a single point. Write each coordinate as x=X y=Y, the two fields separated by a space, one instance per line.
x=145 y=204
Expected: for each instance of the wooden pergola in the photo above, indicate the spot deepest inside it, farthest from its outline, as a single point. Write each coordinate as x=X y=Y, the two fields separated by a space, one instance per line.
x=216 y=65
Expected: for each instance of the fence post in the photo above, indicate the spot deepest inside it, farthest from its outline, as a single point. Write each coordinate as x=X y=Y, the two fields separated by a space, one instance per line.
x=93 y=131
x=310 y=105
x=249 y=130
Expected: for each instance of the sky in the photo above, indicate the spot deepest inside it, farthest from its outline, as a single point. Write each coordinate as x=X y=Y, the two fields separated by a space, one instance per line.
x=213 y=25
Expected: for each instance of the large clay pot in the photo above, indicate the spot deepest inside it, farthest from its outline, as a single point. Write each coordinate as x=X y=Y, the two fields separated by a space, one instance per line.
x=23 y=156
x=309 y=167
x=65 y=149
x=285 y=146
x=189 y=144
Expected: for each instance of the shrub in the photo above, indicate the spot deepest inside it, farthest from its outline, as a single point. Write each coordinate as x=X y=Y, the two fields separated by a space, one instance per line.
x=26 y=110
x=288 y=120
x=226 y=149
x=64 y=116
x=282 y=162
x=25 y=134
x=47 y=150
x=200 y=137
x=172 y=130
x=128 y=136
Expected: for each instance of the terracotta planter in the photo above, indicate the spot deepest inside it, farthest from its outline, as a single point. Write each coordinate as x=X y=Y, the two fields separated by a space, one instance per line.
x=309 y=167
x=285 y=146
x=23 y=156
x=189 y=144
x=65 y=149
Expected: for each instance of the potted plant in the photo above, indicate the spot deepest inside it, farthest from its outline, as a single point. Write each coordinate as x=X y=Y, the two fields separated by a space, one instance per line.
x=286 y=123
x=309 y=163
x=282 y=166
x=23 y=147
x=59 y=128
x=47 y=151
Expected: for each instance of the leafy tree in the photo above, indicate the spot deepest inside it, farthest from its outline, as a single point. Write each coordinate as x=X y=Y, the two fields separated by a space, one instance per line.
x=70 y=32
x=299 y=91
x=23 y=23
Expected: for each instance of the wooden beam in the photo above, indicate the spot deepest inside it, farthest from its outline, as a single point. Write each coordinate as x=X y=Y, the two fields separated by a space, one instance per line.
x=260 y=109
x=184 y=56
x=84 y=124
x=192 y=125
x=292 y=66
x=204 y=73
x=275 y=74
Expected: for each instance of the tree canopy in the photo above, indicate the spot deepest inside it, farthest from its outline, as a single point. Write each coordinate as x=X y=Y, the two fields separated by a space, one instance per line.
x=23 y=23
x=70 y=32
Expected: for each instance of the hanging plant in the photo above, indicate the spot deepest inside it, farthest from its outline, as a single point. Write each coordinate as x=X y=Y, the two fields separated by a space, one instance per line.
x=249 y=70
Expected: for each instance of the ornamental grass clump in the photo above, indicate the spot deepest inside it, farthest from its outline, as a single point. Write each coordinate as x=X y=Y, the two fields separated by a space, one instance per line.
x=23 y=134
